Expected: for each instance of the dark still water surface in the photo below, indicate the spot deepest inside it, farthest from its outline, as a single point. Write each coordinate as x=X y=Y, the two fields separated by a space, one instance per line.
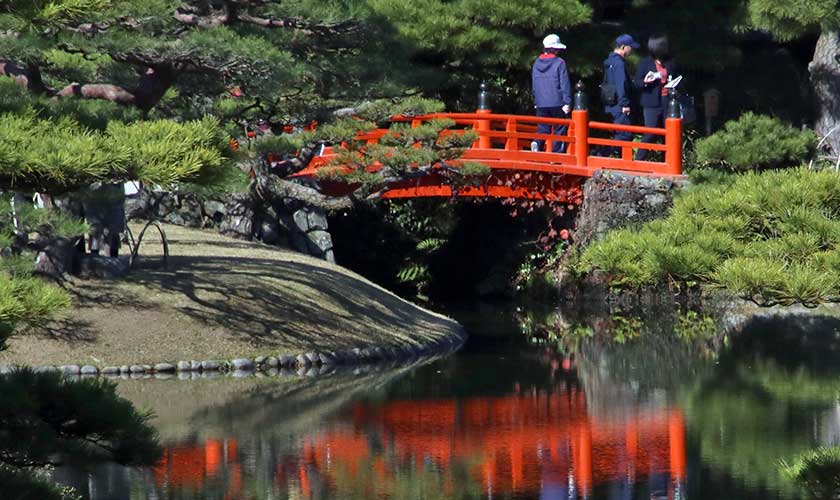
x=652 y=417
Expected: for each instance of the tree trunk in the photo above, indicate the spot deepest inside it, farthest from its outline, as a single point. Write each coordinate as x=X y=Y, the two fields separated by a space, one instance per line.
x=825 y=77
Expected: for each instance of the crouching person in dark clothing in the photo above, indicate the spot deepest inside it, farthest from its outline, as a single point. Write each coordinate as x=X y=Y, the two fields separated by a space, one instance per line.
x=615 y=74
x=552 y=92
x=653 y=73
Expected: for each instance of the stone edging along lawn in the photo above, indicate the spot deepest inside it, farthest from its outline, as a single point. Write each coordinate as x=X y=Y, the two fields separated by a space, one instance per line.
x=301 y=362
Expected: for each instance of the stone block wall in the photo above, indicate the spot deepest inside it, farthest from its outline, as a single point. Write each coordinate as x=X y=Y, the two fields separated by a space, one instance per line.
x=613 y=200
x=286 y=223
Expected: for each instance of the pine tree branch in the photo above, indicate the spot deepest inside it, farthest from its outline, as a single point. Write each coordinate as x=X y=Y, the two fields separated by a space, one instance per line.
x=191 y=15
x=270 y=187
x=300 y=24
x=28 y=77
x=148 y=92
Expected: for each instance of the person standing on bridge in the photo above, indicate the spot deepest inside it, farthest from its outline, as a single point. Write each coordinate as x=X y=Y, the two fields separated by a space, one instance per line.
x=618 y=86
x=652 y=74
x=552 y=92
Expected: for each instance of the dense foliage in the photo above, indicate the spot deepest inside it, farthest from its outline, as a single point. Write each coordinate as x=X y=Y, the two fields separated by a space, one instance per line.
x=817 y=470
x=47 y=420
x=772 y=237
x=755 y=142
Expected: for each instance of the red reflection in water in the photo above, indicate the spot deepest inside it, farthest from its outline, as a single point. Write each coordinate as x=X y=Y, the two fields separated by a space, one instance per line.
x=517 y=444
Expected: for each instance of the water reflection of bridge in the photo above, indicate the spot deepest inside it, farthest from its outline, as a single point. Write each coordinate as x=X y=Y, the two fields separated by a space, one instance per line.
x=533 y=444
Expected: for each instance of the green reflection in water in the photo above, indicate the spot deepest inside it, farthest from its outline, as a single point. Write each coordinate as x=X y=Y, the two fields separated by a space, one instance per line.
x=754 y=399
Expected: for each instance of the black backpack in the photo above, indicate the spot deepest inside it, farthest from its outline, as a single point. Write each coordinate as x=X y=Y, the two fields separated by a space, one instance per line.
x=609 y=94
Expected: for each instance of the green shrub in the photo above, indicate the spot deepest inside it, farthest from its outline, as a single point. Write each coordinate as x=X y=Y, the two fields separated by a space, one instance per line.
x=756 y=142
x=817 y=470
x=771 y=237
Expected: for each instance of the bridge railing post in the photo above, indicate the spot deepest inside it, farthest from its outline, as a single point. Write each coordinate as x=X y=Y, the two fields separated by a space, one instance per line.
x=673 y=135
x=580 y=123
x=484 y=140
x=512 y=143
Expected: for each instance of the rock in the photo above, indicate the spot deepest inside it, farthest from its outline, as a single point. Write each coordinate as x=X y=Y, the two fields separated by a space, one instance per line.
x=238 y=221
x=326 y=359
x=313 y=357
x=242 y=364
x=137 y=369
x=210 y=366
x=147 y=368
x=287 y=361
x=195 y=365
x=138 y=206
x=70 y=369
x=299 y=242
x=303 y=360
x=45 y=369
x=319 y=242
x=214 y=212
x=329 y=256
x=57 y=259
x=183 y=366
x=259 y=360
x=164 y=368
x=125 y=369
x=614 y=200
x=188 y=213
x=111 y=370
x=6 y=369
x=316 y=219
x=301 y=220
x=272 y=362
x=272 y=234
x=102 y=267
x=89 y=370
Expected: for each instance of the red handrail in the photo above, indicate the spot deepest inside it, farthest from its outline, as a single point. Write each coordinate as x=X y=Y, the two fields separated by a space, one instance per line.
x=513 y=135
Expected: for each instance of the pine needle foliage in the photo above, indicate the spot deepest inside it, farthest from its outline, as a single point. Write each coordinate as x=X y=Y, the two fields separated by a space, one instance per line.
x=48 y=419
x=771 y=237
x=67 y=156
x=755 y=142
x=818 y=471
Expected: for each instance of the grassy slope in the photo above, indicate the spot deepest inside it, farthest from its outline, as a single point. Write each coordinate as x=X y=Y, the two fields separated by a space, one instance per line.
x=221 y=298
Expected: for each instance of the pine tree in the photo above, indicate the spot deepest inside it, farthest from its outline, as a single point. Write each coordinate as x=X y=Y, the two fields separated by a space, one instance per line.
x=793 y=19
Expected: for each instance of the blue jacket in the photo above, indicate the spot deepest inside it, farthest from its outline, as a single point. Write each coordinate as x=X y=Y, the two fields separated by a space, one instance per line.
x=616 y=74
x=550 y=81
x=652 y=92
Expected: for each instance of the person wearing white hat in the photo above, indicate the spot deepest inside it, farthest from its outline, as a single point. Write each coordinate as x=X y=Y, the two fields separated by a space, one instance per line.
x=552 y=91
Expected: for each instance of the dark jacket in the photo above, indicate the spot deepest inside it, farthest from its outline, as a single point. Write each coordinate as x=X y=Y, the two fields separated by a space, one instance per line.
x=615 y=72
x=550 y=81
x=652 y=92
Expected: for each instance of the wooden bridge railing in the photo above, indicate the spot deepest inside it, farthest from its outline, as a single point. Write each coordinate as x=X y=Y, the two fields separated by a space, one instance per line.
x=514 y=134
x=504 y=142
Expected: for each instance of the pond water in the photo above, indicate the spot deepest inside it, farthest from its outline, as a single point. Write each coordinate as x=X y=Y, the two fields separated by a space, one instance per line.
x=506 y=417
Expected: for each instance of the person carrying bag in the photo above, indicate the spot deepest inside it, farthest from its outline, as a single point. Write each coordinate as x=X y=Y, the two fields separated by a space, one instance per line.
x=617 y=87
x=652 y=75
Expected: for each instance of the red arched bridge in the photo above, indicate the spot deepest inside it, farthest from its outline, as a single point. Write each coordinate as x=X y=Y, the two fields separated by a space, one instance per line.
x=504 y=145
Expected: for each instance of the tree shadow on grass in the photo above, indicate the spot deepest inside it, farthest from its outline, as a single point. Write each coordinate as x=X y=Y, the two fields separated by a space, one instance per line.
x=64 y=330
x=275 y=302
